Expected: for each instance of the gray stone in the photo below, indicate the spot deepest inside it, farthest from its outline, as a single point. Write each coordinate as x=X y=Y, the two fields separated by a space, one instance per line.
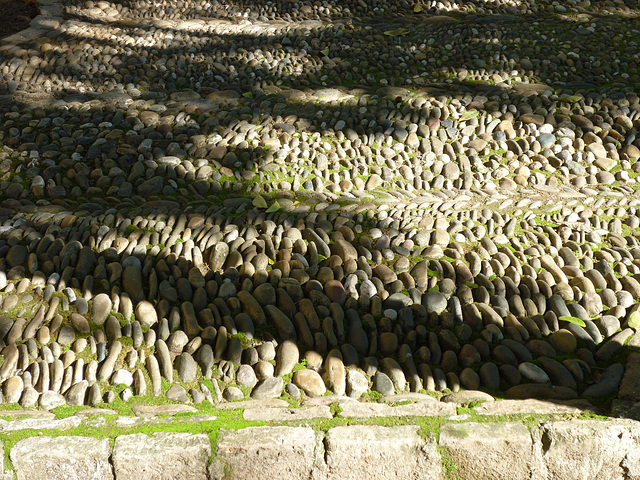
x=12 y=389
x=310 y=382
x=286 y=358
x=62 y=457
x=153 y=370
x=284 y=452
x=218 y=256
x=153 y=186
x=287 y=414
x=265 y=294
x=609 y=382
x=132 y=284
x=270 y=387
x=79 y=323
x=122 y=376
x=357 y=384
x=434 y=301
x=381 y=452
x=629 y=388
x=383 y=384
x=186 y=367
x=146 y=314
x=139 y=383
x=11 y=356
x=532 y=406
x=106 y=369
x=177 y=393
x=430 y=408
x=546 y=140
x=76 y=394
x=467 y=396
x=66 y=336
x=589 y=449
x=558 y=373
x=533 y=373
x=333 y=373
x=489 y=450
x=49 y=400
x=146 y=411
x=161 y=455
x=283 y=324
x=246 y=376
x=101 y=308
x=614 y=344
x=164 y=360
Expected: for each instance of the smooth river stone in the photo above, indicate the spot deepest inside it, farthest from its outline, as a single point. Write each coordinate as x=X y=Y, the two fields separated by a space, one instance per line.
x=310 y=382
x=101 y=308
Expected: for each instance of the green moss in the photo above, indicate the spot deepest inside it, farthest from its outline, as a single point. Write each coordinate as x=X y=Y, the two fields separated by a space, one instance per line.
x=227 y=419
x=372 y=396
x=449 y=467
x=335 y=409
x=130 y=229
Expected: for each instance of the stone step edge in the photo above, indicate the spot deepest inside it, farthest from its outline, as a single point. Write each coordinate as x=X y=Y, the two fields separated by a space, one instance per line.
x=566 y=449
x=397 y=405
x=49 y=18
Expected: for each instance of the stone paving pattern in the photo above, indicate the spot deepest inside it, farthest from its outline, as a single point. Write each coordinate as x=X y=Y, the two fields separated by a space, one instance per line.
x=204 y=201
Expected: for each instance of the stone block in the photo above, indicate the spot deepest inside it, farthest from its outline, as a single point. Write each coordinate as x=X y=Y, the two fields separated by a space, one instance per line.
x=63 y=458
x=488 y=450
x=358 y=452
x=46 y=22
x=630 y=387
x=579 y=449
x=418 y=409
x=530 y=405
x=266 y=452
x=176 y=456
x=286 y=414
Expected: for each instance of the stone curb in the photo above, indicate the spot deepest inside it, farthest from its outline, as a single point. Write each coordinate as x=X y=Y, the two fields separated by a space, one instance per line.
x=562 y=450
x=50 y=18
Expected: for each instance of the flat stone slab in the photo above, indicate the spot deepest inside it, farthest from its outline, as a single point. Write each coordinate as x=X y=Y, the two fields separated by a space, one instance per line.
x=488 y=450
x=630 y=387
x=328 y=400
x=63 y=458
x=590 y=449
x=94 y=412
x=251 y=403
x=330 y=95
x=411 y=396
x=25 y=35
x=28 y=413
x=625 y=409
x=365 y=452
x=161 y=455
x=467 y=396
x=129 y=421
x=527 y=89
x=515 y=407
x=420 y=409
x=154 y=410
x=45 y=22
x=286 y=414
x=283 y=452
x=40 y=424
